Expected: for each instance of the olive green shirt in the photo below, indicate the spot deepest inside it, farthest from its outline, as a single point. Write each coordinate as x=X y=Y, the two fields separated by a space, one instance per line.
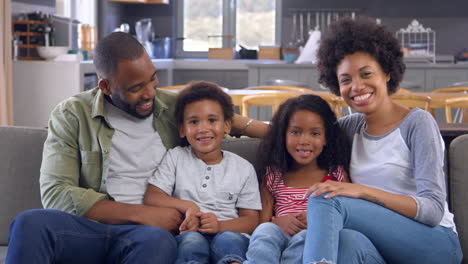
x=75 y=159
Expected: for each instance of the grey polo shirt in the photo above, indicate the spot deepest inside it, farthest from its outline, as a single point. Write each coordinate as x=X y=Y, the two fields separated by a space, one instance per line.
x=219 y=189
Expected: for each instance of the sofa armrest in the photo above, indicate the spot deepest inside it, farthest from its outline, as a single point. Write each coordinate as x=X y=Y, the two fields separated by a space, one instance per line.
x=20 y=162
x=458 y=169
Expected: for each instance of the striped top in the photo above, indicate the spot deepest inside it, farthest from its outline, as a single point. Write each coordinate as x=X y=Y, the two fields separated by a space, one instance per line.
x=288 y=200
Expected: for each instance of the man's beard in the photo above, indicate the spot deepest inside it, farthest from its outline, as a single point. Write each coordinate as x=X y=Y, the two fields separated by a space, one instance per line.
x=128 y=108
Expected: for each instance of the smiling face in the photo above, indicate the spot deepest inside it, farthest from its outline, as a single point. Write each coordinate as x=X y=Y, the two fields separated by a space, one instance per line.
x=132 y=88
x=363 y=84
x=204 y=126
x=305 y=138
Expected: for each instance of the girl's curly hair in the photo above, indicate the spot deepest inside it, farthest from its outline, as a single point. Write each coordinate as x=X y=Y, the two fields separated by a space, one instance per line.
x=272 y=152
x=347 y=36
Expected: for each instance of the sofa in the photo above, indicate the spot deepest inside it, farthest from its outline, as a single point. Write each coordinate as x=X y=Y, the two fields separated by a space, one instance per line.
x=21 y=154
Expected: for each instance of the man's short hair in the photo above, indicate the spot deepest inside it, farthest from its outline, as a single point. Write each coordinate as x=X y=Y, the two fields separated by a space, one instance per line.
x=112 y=49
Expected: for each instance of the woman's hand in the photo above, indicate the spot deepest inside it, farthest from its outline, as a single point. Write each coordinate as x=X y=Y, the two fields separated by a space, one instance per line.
x=290 y=224
x=334 y=188
x=208 y=223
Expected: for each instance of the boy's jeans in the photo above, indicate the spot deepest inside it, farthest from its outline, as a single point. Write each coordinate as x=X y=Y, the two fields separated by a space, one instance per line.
x=224 y=247
x=270 y=245
x=348 y=230
x=52 y=236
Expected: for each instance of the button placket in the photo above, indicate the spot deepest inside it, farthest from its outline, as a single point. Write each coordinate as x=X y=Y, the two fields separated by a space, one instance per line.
x=207 y=177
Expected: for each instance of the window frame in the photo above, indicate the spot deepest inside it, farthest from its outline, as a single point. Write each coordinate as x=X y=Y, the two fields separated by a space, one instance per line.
x=229 y=27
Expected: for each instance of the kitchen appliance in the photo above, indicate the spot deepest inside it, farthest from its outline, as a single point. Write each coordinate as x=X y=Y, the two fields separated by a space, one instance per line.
x=162 y=47
x=144 y=31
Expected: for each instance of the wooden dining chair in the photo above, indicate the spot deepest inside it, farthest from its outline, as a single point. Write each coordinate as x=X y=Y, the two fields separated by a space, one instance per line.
x=403 y=90
x=458 y=89
x=460 y=103
x=412 y=100
x=182 y=86
x=270 y=99
x=281 y=88
x=339 y=105
x=452 y=89
x=173 y=87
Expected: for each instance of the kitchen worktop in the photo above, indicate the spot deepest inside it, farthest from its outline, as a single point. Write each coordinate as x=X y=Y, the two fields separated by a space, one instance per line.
x=199 y=64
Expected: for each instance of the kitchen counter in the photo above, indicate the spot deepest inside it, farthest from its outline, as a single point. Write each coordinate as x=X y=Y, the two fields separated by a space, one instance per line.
x=199 y=64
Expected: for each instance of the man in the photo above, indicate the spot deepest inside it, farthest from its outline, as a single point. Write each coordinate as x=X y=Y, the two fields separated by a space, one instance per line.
x=102 y=146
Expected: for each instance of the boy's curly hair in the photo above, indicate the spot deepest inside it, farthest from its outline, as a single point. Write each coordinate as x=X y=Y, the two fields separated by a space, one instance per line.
x=272 y=152
x=347 y=36
x=202 y=90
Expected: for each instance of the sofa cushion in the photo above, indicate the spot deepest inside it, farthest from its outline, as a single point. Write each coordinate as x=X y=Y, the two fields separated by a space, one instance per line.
x=20 y=161
x=458 y=169
x=244 y=147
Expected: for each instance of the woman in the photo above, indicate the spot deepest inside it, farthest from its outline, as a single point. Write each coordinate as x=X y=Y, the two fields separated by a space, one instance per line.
x=395 y=209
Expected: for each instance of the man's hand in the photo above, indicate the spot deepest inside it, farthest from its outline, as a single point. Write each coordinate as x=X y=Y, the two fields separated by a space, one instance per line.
x=290 y=224
x=208 y=223
x=167 y=218
x=191 y=222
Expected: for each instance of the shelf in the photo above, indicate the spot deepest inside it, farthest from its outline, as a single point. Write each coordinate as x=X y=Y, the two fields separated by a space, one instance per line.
x=28 y=34
x=29 y=45
x=29 y=22
x=25 y=30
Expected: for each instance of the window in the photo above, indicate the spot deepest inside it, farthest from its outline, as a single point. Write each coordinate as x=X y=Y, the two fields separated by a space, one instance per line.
x=82 y=10
x=226 y=23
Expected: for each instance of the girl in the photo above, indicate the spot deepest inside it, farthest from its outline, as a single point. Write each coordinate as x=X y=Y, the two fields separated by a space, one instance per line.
x=395 y=211
x=304 y=146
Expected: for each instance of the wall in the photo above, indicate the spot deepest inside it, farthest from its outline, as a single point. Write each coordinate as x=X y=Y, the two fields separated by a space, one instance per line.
x=448 y=19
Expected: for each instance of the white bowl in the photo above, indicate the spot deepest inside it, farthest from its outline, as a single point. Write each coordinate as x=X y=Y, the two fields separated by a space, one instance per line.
x=51 y=52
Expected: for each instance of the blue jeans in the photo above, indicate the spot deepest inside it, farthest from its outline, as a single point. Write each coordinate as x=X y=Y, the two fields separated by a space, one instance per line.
x=51 y=236
x=348 y=230
x=224 y=247
x=269 y=245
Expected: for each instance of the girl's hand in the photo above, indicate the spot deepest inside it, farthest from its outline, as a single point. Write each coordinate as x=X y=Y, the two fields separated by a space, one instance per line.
x=208 y=223
x=289 y=224
x=302 y=216
x=334 y=188
x=191 y=222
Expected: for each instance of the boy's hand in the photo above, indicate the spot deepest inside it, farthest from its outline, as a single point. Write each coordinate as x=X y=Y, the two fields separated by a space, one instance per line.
x=191 y=222
x=289 y=224
x=208 y=223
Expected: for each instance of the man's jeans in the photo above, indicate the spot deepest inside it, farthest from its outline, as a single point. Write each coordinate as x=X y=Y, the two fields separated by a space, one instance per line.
x=224 y=247
x=270 y=245
x=51 y=236
x=348 y=230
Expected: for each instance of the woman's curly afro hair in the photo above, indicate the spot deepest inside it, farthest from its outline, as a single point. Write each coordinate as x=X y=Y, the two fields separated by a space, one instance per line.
x=347 y=36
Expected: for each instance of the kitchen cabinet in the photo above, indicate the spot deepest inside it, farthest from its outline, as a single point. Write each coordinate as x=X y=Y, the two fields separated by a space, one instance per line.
x=232 y=79
x=441 y=78
x=143 y=1
x=417 y=77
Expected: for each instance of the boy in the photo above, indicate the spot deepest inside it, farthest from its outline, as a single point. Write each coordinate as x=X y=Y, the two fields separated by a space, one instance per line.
x=217 y=191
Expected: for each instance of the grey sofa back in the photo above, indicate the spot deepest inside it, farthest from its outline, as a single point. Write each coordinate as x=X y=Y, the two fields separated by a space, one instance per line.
x=458 y=182
x=21 y=155
x=20 y=161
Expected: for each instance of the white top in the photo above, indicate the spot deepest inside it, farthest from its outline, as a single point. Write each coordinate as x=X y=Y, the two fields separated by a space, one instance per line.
x=408 y=160
x=219 y=189
x=137 y=150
